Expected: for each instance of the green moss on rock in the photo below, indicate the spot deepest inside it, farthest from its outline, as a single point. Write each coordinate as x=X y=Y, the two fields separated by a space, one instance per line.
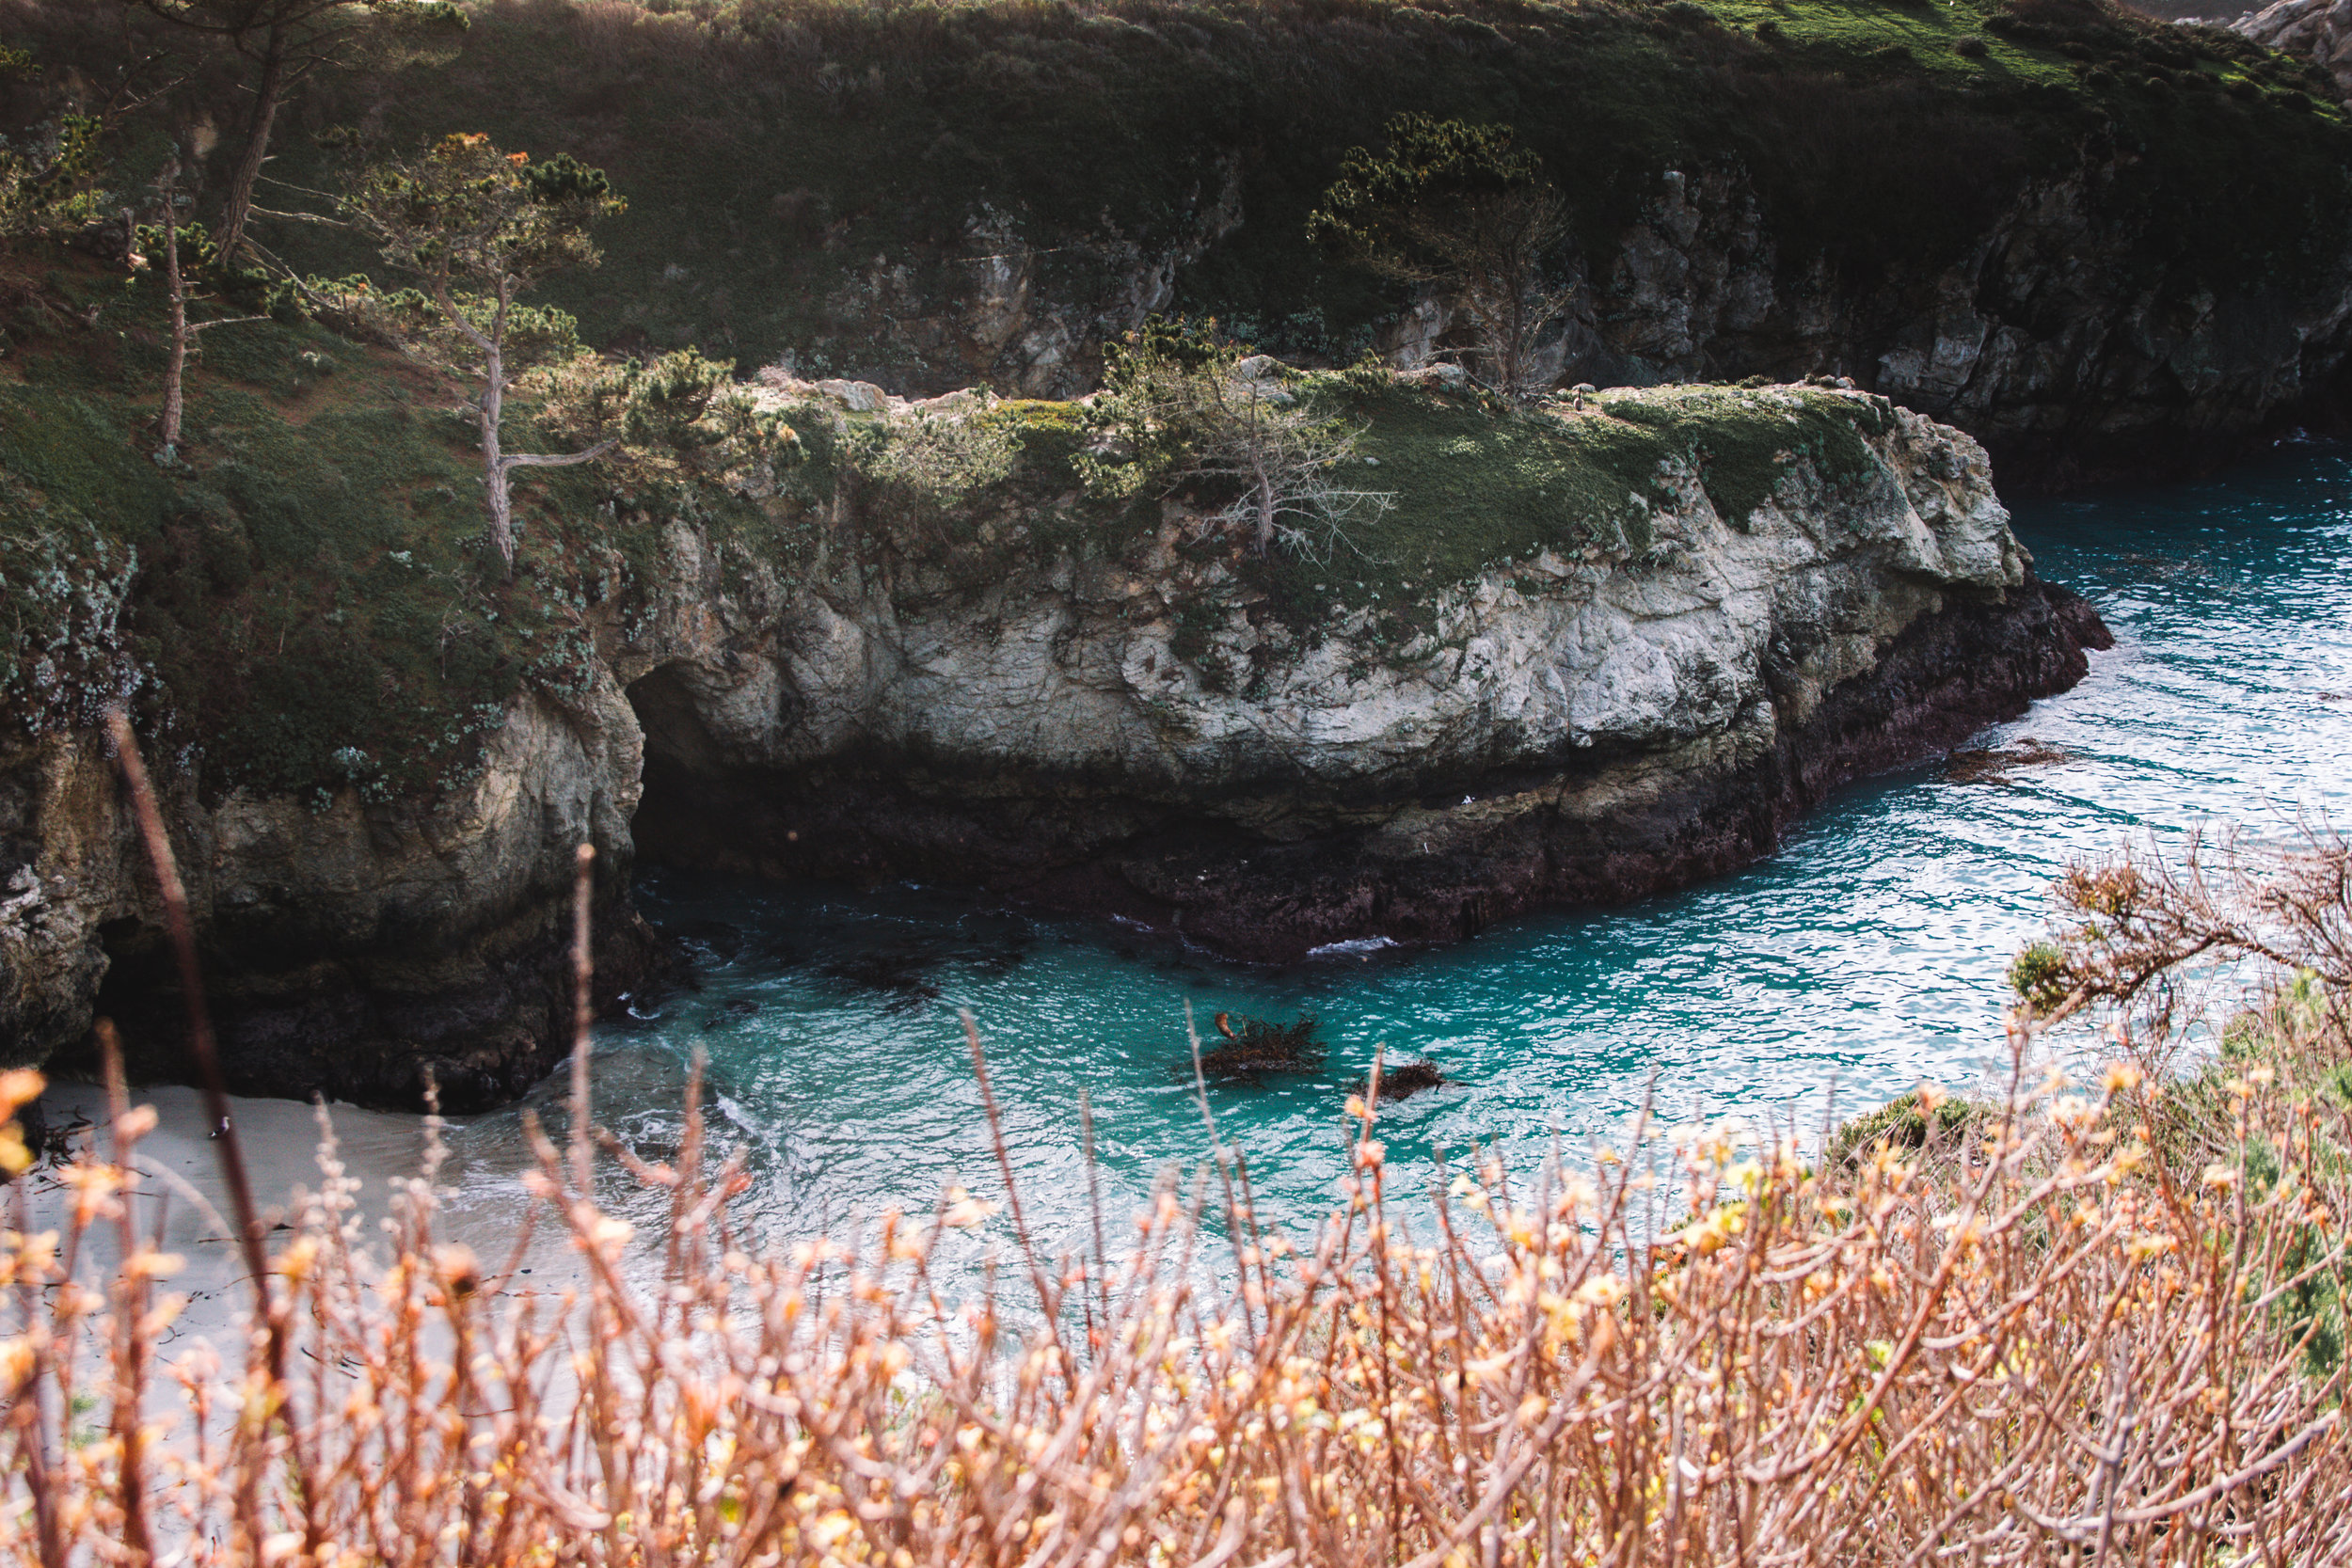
x=305 y=597
x=1481 y=482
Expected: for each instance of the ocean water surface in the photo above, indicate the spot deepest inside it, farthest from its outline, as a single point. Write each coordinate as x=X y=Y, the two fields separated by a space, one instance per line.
x=1864 y=957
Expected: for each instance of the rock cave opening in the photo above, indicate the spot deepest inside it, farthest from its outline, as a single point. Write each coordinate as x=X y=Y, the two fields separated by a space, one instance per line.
x=141 y=995
x=684 y=814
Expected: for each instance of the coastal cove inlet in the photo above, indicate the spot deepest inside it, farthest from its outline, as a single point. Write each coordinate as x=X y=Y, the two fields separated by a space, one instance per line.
x=1864 y=956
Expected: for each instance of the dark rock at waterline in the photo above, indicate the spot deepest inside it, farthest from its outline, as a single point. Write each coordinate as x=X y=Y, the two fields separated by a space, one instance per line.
x=481 y=1035
x=1520 y=845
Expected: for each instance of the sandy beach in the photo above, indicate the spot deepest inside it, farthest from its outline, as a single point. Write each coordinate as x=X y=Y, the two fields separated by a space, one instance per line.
x=183 y=1194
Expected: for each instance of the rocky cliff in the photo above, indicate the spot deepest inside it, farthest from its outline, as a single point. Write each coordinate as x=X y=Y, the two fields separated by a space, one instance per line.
x=1595 y=650
x=1150 y=734
x=2319 y=31
x=2106 y=247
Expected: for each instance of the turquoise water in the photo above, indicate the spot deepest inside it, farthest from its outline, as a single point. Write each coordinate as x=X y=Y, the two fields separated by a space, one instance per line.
x=1863 y=957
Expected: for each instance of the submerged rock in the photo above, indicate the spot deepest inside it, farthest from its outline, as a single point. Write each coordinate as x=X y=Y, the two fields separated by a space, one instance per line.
x=1998 y=765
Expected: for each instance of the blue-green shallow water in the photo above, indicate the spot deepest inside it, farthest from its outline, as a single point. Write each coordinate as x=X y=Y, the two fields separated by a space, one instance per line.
x=1865 y=956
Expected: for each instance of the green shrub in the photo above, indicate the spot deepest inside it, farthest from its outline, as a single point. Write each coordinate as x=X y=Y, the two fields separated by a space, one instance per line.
x=2039 y=975
x=1902 y=1124
x=304 y=600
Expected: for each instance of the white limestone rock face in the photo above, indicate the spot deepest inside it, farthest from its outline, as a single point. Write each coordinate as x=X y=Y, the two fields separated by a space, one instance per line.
x=2319 y=30
x=1077 y=671
x=1052 y=729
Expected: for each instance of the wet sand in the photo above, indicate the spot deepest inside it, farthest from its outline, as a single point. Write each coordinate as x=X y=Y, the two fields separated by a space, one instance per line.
x=184 y=1192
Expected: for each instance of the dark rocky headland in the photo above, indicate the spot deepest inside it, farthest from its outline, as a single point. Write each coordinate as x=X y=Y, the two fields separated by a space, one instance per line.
x=1596 y=649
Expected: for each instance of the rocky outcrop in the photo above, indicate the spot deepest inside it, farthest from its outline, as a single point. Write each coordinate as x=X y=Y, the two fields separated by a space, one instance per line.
x=1571 y=728
x=1582 y=723
x=351 y=950
x=2318 y=30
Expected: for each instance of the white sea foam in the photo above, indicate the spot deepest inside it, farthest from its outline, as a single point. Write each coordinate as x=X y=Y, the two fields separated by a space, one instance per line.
x=1353 y=947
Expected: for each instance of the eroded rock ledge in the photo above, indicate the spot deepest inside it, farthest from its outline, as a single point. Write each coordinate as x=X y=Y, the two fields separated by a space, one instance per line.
x=1115 y=724
x=1572 y=728
x=1267 y=876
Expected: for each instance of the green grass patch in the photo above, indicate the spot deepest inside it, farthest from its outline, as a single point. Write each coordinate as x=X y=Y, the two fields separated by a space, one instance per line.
x=306 y=600
x=1481 y=483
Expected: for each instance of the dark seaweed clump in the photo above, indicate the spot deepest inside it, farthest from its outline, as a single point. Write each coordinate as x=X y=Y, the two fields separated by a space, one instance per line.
x=1998 y=765
x=1253 y=1045
x=1403 y=1081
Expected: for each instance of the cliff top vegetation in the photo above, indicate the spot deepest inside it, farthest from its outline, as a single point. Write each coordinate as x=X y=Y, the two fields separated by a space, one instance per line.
x=803 y=173
x=301 y=591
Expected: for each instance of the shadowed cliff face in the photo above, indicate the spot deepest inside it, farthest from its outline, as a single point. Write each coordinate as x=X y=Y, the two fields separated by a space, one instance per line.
x=2052 y=334
x=350 y=949
x=2106 y=246
x=1136 y=720
x=2048 y=339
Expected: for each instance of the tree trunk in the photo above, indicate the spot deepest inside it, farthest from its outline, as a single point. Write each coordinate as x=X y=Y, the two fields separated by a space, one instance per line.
x=175 y=367
x=498 y=464
x=494 y=465
x=1265 y=511
x=256 y=147
x=1513 y=371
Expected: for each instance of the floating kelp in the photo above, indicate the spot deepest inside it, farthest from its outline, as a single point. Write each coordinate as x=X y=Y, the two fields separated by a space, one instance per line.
x=1403 y=1080
x=1254 y=1045
x=1994 y=764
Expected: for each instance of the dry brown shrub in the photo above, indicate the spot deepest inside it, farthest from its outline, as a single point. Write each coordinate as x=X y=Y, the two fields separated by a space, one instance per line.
x=2051 y=1344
